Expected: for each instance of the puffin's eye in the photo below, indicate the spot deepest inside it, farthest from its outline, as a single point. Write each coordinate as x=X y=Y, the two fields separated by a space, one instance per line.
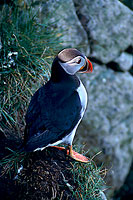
x=78 y=61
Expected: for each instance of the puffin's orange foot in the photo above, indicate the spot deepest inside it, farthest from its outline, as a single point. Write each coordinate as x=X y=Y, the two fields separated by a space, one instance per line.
x=78 y=157
x=73 y=154
x=60 y=148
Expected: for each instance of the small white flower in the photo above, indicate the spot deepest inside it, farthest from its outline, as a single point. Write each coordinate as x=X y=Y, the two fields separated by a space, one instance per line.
x=15 y=53
x=4 y=66
x=8 y=65
x=9 y=54
x=11 y=61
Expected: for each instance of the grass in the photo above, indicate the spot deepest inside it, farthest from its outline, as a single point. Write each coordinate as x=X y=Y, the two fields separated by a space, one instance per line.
x=89 y=178
x=27 y=48
x=12 y=162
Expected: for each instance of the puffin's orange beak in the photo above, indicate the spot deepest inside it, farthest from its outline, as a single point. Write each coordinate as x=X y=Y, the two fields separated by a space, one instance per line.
x=90 y=67
x=87 y=68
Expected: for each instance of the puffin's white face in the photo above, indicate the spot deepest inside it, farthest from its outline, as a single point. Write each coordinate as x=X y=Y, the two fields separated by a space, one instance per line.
x=74 y=65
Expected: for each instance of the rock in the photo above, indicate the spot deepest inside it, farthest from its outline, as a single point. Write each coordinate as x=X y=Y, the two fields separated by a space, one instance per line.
x=63 y=14
x=109 y=25
x=108 y=121
x=125 y=61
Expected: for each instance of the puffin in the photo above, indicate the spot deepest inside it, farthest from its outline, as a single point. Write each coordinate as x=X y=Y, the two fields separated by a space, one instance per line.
x=56 y=109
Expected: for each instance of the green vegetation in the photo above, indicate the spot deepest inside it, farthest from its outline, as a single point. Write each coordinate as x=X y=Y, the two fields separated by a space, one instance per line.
x=90 y=180
x=11 y=163
x=88 y=177
x=26 y=48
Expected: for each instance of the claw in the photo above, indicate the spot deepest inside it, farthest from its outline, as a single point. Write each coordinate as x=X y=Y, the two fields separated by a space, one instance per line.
x=73 y=154
x=76 y=156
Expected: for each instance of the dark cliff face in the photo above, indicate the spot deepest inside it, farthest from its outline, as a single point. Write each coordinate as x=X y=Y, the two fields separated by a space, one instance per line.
x=126 y=191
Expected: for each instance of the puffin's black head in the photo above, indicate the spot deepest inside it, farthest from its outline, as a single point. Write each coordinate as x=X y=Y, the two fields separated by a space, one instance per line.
x=72 y=61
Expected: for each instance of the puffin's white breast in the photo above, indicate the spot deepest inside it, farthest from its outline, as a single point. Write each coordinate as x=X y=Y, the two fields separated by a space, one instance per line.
x=83 y=97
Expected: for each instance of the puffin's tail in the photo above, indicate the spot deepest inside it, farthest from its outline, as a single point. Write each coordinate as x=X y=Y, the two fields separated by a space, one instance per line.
x=41 y=141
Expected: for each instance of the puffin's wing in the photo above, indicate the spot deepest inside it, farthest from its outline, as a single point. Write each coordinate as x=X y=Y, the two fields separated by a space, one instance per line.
x=50 y=119
x=33 y=115
x=53 y=124
x=65 y=115
x=41 y=140
x=34 y=108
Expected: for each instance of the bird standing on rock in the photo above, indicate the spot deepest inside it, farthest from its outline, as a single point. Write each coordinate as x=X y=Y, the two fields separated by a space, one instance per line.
x=57 y=108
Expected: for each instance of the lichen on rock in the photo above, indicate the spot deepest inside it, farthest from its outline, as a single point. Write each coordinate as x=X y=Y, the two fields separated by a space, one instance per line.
x=107 y=24
x=108 y=121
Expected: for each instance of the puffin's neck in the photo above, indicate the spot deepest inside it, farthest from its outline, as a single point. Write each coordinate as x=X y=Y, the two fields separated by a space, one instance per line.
x=58 y=74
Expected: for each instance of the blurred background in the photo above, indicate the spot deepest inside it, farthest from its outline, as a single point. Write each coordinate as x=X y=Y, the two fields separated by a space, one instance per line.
x=31 y=34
